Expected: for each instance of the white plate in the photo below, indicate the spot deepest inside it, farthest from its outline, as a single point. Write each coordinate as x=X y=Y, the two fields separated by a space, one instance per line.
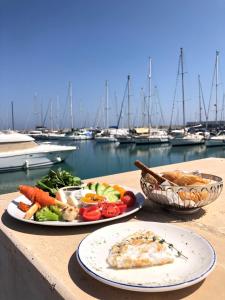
x=16 y=213
x=93 y=251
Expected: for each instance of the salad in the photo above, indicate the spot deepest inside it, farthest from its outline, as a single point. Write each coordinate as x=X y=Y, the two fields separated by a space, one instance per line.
x=55 y=180
x=93 y=202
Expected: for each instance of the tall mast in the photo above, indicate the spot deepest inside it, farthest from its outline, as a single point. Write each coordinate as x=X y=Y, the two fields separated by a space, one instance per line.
x=106 y=103
x=216 y=104
x=12 y=111
x=222 y=110
x=128 y=101
x=70 y=94
x=199 y=97
x=149 y=90
x=182 y=77
x=51 y=114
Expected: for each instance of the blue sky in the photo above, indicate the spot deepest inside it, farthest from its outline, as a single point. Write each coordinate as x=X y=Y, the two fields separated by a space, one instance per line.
x=46 y=43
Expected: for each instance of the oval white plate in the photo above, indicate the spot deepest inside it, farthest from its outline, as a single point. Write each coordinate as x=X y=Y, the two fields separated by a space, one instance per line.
x=93 y=251
x=16 y=213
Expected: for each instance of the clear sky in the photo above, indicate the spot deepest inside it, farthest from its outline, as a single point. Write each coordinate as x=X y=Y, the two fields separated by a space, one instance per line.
x=46 y=43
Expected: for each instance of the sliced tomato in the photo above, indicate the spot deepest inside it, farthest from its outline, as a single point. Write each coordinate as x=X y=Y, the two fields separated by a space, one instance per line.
x=129 y=198
x=110 y=210
x=81 y=211
x=23 y=206
x=91 y=213
x=122 y=207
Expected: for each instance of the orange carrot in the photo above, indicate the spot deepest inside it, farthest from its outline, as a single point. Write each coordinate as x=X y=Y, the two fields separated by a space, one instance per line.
x=35 y=194
x=23 y=206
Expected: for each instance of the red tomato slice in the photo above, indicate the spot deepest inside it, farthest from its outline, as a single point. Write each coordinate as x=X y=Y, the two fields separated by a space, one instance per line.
x=91 y=213
x=129 y=198
x=110 y=210
x=122 y=207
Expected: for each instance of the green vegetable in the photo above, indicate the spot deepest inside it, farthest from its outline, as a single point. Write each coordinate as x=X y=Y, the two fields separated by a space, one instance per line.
x=55 y=209
x=56 y=180
x=45 y=214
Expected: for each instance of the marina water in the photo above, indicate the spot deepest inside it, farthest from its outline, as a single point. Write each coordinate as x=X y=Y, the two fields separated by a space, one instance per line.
x=93 y=159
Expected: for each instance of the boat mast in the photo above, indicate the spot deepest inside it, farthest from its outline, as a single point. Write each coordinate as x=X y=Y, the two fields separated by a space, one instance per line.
x=106 y=103
x=70 y=94
x=12 y=111
x=128 y=101
x=222 y=110
x=149 y=90
x=200 y=102
x=182 y=77
x=216 y=104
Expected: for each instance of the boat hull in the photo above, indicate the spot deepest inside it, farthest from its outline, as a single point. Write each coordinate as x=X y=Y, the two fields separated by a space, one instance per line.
x=186 y=142
x=215 y=142
x=105 y=139
x=32 y=160
x=143 y=141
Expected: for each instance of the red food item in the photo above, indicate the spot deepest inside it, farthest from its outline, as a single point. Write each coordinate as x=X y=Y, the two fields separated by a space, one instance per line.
x=129 y=198
x=91 y=213
x=110 y=210
x=35 y=194
x=23 y=206
x=122 y=207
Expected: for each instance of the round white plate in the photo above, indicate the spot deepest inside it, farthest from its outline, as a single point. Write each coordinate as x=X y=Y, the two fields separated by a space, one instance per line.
x=94 y=249
x=16 y=213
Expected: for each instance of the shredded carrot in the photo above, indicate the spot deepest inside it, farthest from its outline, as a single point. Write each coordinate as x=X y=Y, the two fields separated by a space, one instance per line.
x=23 y=206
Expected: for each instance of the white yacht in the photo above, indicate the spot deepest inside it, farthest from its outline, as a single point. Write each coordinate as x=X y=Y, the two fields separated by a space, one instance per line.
x=155 y=136
x=20 y=151
x=106 y=136
x=218 y=140
x=125 y=136
x=183 y=138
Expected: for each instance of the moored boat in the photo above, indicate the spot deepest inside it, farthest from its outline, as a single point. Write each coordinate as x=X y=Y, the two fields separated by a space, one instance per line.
x=20 y=151
x=218 y=140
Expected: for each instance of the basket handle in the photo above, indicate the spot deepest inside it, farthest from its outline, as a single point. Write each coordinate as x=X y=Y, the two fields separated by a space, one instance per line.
x=145 y=169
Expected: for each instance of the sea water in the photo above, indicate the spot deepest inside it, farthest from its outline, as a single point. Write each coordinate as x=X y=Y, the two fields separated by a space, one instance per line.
x=93 y=159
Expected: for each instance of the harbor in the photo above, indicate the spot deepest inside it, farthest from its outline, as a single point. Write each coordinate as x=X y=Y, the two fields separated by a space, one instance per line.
x=112 y=150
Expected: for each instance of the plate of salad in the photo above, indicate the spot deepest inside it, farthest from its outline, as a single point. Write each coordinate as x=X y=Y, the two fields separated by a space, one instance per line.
x=77 y=205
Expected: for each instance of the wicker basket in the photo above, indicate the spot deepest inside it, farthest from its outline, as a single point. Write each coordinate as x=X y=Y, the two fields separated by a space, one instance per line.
x=184 y=199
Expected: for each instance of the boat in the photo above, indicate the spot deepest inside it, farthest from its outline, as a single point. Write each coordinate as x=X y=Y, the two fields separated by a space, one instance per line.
x=125 y=136
x=20 y=151
x=106 y=136
x=156 y=136
x=218 y=140
x=182 y=137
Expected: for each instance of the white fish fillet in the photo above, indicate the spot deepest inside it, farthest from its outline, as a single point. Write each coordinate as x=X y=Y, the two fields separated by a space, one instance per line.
x=140 y=249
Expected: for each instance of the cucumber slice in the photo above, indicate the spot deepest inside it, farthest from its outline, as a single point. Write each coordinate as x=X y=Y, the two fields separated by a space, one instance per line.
x=96 y=187
x=116 y=193
x=93 y=186
x=100 y=189
x=112 y=198
x=108 y=189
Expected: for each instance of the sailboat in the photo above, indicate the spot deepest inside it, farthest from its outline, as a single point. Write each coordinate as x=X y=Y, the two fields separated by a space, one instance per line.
x=182 y=137
x=106 y=135
x=219 y=138
x=154 y=136
x=125 y=136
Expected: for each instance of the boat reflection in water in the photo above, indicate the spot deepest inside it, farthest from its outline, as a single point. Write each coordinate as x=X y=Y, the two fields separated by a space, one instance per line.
x=186 y=153
x=11 y=180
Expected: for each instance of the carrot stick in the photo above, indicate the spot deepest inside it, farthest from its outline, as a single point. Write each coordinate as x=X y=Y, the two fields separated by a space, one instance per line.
x=35 y=194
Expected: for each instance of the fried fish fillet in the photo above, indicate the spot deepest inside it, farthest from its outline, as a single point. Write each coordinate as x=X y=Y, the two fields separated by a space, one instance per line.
x=140 y=249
